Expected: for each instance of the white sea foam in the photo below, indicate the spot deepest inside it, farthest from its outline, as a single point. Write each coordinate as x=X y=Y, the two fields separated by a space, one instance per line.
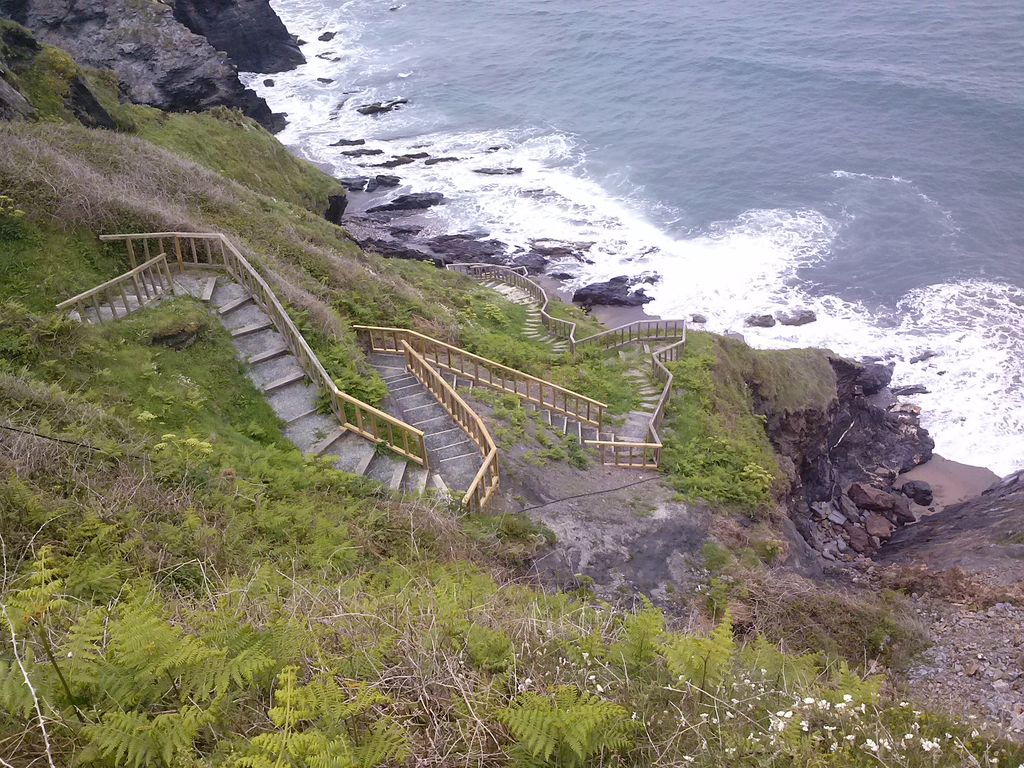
x=727 y=270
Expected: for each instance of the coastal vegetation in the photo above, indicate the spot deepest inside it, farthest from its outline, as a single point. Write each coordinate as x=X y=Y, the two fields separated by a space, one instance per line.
x=181 y=587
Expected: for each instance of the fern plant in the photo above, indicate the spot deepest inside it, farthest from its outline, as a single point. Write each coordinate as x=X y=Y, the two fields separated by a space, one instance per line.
x=637 y=649
x=320 y=725
x=702 y=661
x=568 y=729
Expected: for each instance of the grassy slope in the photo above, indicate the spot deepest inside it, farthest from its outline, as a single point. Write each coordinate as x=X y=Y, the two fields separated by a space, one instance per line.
x=179 y=575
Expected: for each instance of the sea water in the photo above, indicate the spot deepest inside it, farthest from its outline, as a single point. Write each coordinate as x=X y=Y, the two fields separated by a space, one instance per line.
x=863 y=160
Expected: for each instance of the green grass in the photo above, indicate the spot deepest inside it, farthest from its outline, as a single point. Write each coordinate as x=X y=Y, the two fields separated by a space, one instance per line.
x=716 y=448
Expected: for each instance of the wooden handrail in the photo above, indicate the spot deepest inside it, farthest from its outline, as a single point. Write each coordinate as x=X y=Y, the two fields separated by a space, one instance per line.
x=485 y=483
x=148 y=280
x=497 y=376
x=566 y=329
x=355 y=415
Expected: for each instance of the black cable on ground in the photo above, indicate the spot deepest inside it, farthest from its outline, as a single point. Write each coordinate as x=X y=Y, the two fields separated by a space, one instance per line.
x=591 y=493
x=67 y=442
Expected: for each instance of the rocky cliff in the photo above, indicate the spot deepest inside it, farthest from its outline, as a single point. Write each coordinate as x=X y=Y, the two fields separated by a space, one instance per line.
x=249 y=31
x=159 y=61
x=843 y=454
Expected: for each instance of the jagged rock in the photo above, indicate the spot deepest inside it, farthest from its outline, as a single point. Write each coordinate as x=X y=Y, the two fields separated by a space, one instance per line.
x=396 y=249
x=363 y=152
x=797 y=317
x=467 y=247
x=368 y=183
x=14 y=106
x=760 y=321
x=326 y=37
x=437 y=160
x=249 y=31
x=84 y=106
x=919 y=492
x=928 y=354
x=534 y=262
x=269 y=82
x=849 y=509
x=381 y=107
x=878 y=526
x=859 y=539
x=873 y=499
x=498 y=171
x=911 y=389
x=615 y=292
x=348 y=143
x=384 y=181
x=412 y=202
x=558 y=250
x=402 y=160
x=336 y=205
x=901 y=511
x=698 y=318
x=874 y=377
x=158 y=59
x=325 y=80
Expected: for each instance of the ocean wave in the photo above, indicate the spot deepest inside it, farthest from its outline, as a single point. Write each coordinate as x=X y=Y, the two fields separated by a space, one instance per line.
x=726 y=270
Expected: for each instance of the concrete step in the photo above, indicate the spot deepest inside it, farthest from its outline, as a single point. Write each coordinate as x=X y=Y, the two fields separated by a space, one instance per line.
x=452 y=449
x=387 y=469
x=293 y=400
x=275 y=369
x=226 y=292
x=320 y=447
x=415 y=480
x=437 y=484
x=245 y=315
x=284 y=381
x=248 y=330
x=352 y=453
x=234 y=304
x=259 y=341
x=309 y=429
x=268 y=354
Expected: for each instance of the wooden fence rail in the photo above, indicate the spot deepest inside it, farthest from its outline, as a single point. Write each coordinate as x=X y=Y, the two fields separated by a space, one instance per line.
x=214 y=250
x=144 y=283
x=485 y=483
x=487 y=373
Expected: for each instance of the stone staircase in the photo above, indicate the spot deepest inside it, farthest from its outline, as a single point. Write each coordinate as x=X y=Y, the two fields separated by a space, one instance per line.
x=535 y=329
x=454 y=459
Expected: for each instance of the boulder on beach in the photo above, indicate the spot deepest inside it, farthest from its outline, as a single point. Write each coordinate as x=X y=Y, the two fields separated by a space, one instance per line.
x=870 y=498
x=760 y=321
x=619 y=292
x=919 y=492
x=417 y=201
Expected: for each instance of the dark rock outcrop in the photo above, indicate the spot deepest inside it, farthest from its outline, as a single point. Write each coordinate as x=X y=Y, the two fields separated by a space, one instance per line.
x=919 y=492
x=619 y=291
x=336 y=205
x=845 y=455
x=417 y=201
x=158 y=60
x=249 y=31
x=381 y=107
x=797 y=317
x=14 y=106
x=498 y=171
x=760 y=321
x=369 y=183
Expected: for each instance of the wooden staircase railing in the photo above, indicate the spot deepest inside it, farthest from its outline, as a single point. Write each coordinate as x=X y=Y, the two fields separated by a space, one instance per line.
x=644 y=454
x=214 y=250
x=485 y=483
x=145 y=282
x=487 y=373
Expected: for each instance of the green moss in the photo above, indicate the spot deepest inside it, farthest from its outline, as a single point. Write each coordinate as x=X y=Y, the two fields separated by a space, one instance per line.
x=46 y=82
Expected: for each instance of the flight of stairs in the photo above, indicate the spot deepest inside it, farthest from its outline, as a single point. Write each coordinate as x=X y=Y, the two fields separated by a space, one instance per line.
x=535 y=329
x=454 y=459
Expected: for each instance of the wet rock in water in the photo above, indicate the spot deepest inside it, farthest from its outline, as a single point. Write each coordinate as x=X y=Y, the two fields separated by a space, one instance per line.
x=912 y=389
x=760 y=321
x=797 y=317
x=348 y=143
x=466 y=247
x=398 y=160
x=554 y=249
x=363 y=152
x=325 y=80
x=326 y=37
x=405 y=230
x=561 y=275
x=381 y=107
x=437 y=160
x=417 y=201
x=498 y=171
x=269 y=83
x=336 y=205
x=698 y=318
x=870 y=498
x=368 y=183
x=619 y=292
x=384 y=181
x=874 y=377
x=928 y=354
x=328 y=57
x=534 y=262
x=919 y=492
